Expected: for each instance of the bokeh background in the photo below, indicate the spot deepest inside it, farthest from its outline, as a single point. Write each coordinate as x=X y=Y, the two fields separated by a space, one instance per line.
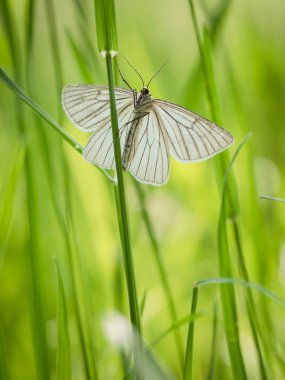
x=42 y=178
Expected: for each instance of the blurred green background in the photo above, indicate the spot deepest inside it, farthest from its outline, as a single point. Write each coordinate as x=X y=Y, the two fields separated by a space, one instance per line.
x=42 y=179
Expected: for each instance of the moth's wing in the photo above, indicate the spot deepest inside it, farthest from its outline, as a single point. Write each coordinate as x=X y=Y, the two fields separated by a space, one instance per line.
x=99 y=149
x=150 y=163
x=88 y=107
x=191 y=136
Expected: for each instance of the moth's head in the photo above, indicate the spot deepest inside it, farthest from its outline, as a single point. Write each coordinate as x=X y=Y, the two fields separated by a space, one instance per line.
x=144 y=91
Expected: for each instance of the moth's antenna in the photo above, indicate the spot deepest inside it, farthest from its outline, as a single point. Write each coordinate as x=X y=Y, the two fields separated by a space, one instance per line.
x=133 y=69
x=121 y=75
x=158 y=71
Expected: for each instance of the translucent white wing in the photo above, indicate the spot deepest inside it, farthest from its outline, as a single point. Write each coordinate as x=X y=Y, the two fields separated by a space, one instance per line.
x=99 y=149
x=191 y=137
x=88 y=107
x=150 y=163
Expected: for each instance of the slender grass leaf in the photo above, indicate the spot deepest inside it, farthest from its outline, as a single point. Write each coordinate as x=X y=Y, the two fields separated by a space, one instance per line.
x=237 y=281
x=188 y=361
x=106 y=27
x=175 y=327
x=272 y=198
x=63 y=367
x=45 y=116
x=4 y=374
x=214 y=349
x=8 y=191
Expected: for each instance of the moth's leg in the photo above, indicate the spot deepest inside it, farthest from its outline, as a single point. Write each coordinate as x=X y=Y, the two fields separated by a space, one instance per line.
x=137 y=107
x=143 y=114
x=121 y=130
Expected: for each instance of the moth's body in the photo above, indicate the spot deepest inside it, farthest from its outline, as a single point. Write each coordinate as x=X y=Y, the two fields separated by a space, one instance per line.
x=142 y=105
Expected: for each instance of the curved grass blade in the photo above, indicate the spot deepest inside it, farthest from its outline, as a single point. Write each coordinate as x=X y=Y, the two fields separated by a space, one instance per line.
x=272 y=198
x=250 y=285
x=46 y=117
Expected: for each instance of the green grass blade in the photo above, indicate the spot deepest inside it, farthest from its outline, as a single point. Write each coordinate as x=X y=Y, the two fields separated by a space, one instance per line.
x=107 y=43
x=249 y=299
x=46 y=117
x=37 y=318
x=232 y=211
x=7 y=20
x=188 y=361
x=272 y=198
x=122 y=211
x=221 y=161
x=216 y=18
x=43 y=114
x=250 y=285
x=66 y=230
x=215 y=22
x=63 y=367
x=30 y=22
x=227 y=294
x=38 y=322
x=4 y=374
x=214 y=349
x=8 y=193
x=172 y=328
x=53 y=35
x=105 y=17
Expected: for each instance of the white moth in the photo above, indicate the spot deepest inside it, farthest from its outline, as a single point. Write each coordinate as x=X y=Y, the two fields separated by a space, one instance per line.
x=149 y=130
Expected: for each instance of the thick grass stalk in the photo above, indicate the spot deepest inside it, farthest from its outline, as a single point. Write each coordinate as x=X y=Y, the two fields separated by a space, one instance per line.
x=107 y=44
x=122 y=210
